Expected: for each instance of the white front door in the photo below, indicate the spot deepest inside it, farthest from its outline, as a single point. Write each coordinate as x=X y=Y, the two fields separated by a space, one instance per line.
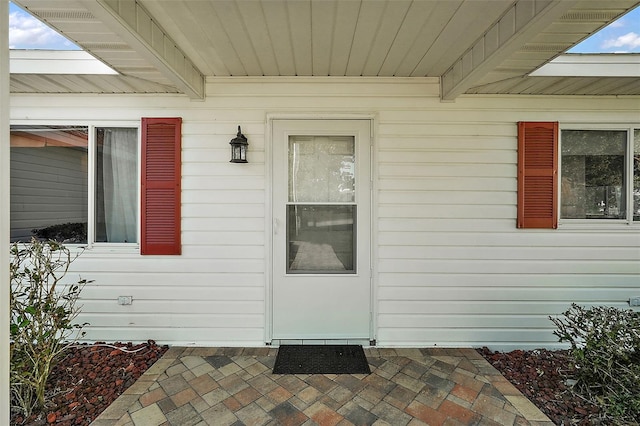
x=321 y=229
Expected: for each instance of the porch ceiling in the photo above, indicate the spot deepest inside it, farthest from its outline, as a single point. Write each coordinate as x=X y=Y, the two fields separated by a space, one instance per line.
x=475 y=46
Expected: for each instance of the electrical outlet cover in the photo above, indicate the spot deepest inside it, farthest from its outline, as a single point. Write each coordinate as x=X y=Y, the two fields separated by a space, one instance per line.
x=125 y=300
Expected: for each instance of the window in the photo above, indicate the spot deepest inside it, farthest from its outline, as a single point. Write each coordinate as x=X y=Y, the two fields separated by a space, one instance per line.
x=636 y=175
x=598 y=169
x=81 y=184
x=593 y=174
x=116 y=185
x=54 y=183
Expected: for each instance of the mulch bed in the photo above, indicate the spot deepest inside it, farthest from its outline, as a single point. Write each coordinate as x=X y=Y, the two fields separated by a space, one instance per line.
x=541 y=375
x=89 y=378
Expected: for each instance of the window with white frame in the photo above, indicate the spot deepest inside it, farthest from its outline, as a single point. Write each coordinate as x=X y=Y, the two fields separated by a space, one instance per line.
x=74 y=184
x=600 y=174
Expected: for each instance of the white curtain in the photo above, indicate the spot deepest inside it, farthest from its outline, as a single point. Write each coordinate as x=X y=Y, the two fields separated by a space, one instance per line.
x=120 y=177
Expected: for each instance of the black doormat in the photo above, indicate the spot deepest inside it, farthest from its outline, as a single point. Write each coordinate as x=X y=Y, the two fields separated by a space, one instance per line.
x=321 y=359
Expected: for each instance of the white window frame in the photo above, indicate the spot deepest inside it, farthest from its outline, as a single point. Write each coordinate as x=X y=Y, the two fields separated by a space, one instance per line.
x=608 y=224
x=92 y=126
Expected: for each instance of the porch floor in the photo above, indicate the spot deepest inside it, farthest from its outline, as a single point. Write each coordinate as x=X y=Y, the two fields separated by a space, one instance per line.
x=235 y=386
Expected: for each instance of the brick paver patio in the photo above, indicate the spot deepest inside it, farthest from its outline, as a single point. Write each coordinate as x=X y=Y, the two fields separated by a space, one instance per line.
x=235 y=386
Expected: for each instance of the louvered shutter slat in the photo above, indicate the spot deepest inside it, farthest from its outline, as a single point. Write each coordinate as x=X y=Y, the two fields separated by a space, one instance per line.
x=537 y=174
x=161 y=178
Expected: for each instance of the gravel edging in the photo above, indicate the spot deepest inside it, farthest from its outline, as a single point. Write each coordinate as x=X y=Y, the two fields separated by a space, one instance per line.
x=541 y=375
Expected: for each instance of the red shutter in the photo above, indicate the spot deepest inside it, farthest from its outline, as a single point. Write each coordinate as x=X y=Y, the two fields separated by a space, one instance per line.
x=537 y=175
x=160 y=204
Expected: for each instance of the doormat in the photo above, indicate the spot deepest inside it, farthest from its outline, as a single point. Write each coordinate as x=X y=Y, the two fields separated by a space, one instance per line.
x=321 y=359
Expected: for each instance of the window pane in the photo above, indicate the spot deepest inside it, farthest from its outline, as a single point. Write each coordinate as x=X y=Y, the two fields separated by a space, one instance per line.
x=117 y=185
x=49 y=183
x=321 y=169
x=321 y=239
x=636 y=175
x=593 y=184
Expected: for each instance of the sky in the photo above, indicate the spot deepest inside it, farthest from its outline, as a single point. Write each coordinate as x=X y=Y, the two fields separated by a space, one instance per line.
x=26 y=32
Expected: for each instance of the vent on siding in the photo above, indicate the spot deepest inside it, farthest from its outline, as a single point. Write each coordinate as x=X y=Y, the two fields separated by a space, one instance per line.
x=64 y=15
x=106 y=46
x=603 y=16
x=545 y=47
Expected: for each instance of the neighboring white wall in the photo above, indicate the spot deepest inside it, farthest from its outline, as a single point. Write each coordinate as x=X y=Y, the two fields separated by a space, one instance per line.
x=49 y=187
x=451 y=269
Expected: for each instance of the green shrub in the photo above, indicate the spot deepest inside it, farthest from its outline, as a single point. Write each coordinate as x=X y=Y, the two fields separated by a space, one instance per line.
x=42 y=313
x=605 y=347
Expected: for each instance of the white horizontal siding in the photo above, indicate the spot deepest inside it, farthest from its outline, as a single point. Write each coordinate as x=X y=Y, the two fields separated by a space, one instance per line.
x=462 y=280
x=488 y=252
x=168 y=310
x=472 y=266
x=451 y=269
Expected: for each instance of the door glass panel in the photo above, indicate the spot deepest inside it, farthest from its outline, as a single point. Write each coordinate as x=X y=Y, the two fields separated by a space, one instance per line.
x=321 y=169
x=321 y=239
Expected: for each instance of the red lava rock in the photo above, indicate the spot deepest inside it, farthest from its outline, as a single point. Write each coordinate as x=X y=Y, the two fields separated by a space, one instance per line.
x=82 y=382
x=115 y=352
x=540 y=375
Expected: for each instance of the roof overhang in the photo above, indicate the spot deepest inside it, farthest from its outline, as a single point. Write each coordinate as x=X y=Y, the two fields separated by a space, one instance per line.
x=473 y=46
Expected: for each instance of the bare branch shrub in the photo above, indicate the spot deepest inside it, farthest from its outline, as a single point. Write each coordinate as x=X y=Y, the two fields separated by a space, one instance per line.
x=42 y=313
x=605 y=347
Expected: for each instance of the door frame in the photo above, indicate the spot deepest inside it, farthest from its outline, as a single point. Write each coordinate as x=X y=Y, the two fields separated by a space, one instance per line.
x=268 y=244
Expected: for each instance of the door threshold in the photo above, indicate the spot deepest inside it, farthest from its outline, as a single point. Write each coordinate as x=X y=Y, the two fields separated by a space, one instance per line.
x=362 y=342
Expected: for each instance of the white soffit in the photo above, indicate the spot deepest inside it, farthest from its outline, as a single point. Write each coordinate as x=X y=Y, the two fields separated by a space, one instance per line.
x=56 y=62
x=597 y=65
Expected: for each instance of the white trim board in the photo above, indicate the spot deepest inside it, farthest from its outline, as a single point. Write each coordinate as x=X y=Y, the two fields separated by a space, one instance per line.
x=600 y=65
x=71 y=62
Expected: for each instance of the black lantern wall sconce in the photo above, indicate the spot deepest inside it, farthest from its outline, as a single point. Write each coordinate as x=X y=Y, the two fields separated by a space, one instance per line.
x=239 y=146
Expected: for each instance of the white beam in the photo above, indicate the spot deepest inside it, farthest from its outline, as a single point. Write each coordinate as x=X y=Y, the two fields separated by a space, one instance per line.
x=5 y=411
x=520 y=23
x=136 y=26
x=72 y=62
x=585 y=65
